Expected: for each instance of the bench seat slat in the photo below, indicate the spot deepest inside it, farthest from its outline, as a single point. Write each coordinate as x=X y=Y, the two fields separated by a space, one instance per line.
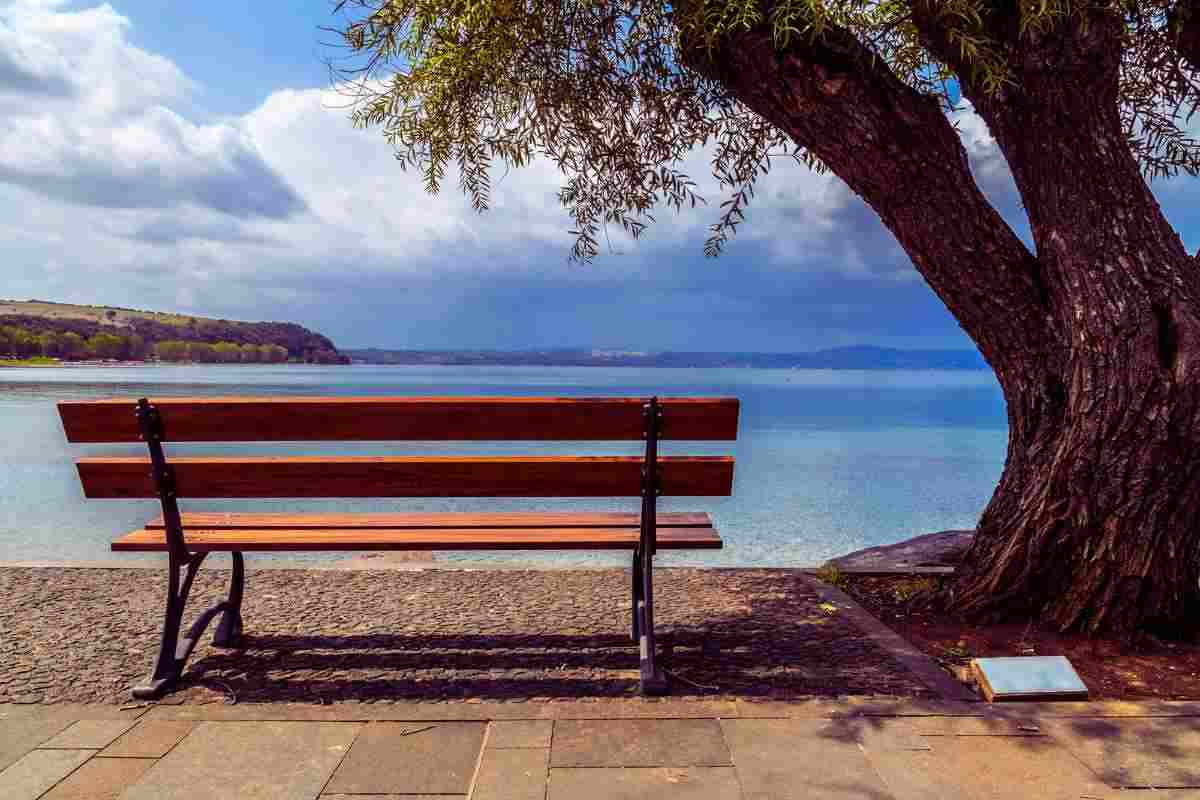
x=408 y=476
x=565 y=519
x=288 y=419
x=282 y=539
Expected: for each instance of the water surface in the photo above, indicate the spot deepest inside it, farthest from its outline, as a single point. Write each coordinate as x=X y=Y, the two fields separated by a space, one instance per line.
x=827 y=461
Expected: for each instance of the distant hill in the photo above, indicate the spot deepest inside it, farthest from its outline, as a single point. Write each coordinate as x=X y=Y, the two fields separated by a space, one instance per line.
x=863 y=357
x=79 y=331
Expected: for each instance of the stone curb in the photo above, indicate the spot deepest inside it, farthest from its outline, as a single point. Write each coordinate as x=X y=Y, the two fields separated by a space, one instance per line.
x=922 y=666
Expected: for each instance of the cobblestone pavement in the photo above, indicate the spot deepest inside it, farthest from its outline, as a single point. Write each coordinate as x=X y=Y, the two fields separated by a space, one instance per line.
x=87 y=635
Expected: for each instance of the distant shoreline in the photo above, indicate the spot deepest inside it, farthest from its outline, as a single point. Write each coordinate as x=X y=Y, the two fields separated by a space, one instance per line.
x=37 y=364
x=841 y=358
x=15 y=364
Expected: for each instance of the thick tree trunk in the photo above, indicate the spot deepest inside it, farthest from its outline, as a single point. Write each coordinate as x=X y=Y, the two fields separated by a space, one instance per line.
x=1095 y=524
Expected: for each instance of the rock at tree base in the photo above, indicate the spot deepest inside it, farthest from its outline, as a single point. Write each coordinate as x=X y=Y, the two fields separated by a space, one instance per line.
x=941 y=549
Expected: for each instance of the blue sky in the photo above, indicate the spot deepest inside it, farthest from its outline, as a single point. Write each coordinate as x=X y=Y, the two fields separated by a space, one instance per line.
x=192 y=157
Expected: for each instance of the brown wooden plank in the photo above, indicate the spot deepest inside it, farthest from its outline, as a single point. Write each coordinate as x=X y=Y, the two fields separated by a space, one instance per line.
x=391 y=476
x=276 y=539
x=281 y=419
x=520 y=519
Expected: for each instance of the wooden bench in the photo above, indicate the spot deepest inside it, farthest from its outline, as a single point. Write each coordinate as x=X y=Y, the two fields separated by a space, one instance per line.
x=188 y=538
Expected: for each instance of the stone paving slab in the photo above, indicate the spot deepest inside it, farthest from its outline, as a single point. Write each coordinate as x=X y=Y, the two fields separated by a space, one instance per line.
x=1146 y=752
x=520 y=733
x=800 y=759
x=589 y=708
x=1101 y=708
x=72 y=711
x=92 y=734
x=823 y=708
x=515 y=774
x=988 y=768
x=100 y=779
x=876 y=733
x=250 y=760
x=23 y=727
x=37 y=771
x=976 y=726
x=151 y=738
x=640 y=708
x=18 y=736
x=660 y=783
x=638 y=743
x=400 y=758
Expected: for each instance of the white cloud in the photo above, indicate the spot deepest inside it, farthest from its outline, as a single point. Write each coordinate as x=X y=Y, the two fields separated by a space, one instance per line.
x=112 y=188
x=85 y=119
x=87 y=53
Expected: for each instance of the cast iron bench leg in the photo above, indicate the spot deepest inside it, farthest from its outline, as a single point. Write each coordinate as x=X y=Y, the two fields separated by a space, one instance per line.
x=173 y=651
x=637 y=592
x=229 y=629
x=653 y=680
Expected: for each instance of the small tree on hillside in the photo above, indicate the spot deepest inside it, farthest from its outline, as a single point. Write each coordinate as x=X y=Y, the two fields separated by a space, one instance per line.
x=1094 y=334
x=73 y=345
x=106 y=346
x=171 y=350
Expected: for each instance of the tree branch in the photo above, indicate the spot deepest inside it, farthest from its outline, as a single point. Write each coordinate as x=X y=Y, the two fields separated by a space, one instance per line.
x=1058 y=118
x=897 y=150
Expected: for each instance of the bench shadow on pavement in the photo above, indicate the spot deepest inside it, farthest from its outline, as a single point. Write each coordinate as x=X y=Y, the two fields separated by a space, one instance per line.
x=728 y=657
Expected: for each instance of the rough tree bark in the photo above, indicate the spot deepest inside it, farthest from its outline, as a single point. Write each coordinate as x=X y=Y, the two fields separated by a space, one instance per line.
x=1095 y=340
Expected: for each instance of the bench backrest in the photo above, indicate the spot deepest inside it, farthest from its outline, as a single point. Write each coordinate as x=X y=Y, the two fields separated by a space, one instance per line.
x=310 y=419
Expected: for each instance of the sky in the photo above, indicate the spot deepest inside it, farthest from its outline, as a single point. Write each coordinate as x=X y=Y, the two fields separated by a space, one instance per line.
x=193 y=157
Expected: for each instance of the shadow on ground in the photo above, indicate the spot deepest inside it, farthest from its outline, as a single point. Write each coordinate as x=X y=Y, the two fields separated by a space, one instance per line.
x=440 y=635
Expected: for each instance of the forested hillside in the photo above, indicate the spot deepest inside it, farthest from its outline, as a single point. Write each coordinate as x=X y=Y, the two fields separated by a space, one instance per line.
x=72 y=332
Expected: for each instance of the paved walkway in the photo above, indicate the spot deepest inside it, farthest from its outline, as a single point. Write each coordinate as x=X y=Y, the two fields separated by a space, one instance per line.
x=855 y=749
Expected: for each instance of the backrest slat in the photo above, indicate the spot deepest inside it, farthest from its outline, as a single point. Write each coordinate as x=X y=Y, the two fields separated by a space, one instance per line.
x=426 y=521
x=298 y=419
x=436 y=476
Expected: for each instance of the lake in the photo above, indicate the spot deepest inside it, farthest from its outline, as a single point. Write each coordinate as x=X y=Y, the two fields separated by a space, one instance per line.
x=828 y=461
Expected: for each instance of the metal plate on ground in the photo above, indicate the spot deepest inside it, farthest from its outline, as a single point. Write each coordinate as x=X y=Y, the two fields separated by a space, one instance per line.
x=1028 y=678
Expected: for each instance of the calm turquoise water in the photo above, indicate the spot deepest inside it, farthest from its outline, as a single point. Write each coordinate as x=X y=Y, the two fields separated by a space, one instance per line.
x=827 y=461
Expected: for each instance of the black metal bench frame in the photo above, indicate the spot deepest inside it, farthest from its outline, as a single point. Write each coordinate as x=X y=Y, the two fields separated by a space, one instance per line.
x=175 y=651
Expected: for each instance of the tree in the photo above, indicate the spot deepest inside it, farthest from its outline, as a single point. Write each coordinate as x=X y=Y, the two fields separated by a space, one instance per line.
x=73 y=346
x=1094 y=335
x=171 y=350
x=25 y=344
x=201 y=352
x=227 y=352
x=106 y=345
x=135 y=347
x=51 y=345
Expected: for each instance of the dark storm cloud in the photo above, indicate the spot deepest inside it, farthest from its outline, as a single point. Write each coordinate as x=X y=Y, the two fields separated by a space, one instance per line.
x=682 y=303
x=244 y=186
